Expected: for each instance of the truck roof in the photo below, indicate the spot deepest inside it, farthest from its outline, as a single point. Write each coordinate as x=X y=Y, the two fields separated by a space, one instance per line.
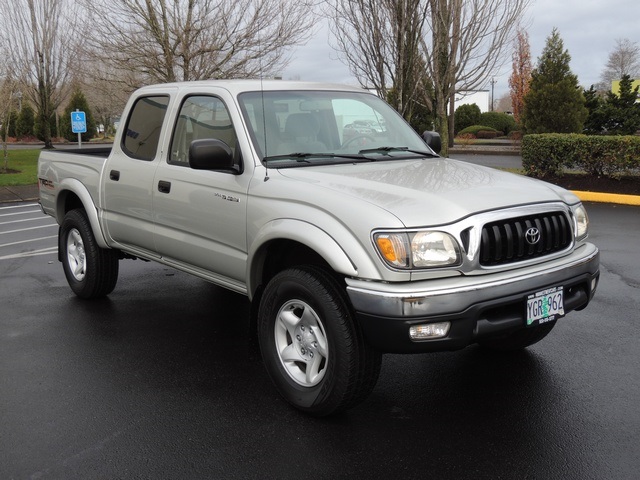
x=250 y=85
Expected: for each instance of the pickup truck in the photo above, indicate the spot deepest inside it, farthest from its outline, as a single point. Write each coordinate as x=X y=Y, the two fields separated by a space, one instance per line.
x=346 y=230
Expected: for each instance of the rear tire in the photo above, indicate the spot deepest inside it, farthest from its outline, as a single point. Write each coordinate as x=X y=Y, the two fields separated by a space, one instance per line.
x=519 y=339
x=91 y=271
x=311 y=345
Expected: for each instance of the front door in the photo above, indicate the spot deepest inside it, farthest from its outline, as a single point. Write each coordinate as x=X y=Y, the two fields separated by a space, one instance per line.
x=200 y=216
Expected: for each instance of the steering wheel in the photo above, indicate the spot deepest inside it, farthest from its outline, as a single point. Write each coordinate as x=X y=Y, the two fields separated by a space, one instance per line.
x=362 y=136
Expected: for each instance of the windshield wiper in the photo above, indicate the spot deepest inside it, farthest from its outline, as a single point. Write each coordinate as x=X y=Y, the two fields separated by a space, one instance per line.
x=386 y=150
x=302 y=157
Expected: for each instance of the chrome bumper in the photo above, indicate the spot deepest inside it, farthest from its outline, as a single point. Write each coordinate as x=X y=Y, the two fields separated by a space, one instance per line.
x=455 y=294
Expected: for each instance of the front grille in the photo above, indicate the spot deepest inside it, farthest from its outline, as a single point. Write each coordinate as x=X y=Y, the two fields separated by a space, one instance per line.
x=505 y=241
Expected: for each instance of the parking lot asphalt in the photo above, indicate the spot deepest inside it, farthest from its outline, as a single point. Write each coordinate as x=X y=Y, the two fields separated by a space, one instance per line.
x=161 y=380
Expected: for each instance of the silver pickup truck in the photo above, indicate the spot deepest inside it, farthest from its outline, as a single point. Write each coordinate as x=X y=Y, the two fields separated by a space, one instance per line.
x=346 y=230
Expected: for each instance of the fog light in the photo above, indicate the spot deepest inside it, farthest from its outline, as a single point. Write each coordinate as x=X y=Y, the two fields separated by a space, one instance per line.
x=594 y=284
x=429 y=331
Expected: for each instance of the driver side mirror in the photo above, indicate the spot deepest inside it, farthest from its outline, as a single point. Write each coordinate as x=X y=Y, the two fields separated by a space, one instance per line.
x=433 y=140
x=211 y=154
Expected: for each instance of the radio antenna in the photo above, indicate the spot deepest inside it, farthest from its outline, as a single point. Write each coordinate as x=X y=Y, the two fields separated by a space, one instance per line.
x=264 y=115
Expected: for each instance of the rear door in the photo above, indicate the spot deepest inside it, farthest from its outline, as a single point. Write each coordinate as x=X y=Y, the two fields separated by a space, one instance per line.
x=128 y=179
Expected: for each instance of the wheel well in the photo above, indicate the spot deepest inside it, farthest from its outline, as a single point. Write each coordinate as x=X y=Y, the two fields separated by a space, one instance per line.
x=274 y=257
x=282 y=254
x=69 y=201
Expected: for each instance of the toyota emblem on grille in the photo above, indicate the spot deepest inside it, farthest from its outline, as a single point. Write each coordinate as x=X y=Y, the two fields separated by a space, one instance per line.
x=532 y=236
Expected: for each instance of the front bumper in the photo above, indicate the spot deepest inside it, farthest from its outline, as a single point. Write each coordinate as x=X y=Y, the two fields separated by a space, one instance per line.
x=476 y=306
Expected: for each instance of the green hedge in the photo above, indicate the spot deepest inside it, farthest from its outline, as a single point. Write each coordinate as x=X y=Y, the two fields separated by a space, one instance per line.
x=552 y=153
x=475 y=129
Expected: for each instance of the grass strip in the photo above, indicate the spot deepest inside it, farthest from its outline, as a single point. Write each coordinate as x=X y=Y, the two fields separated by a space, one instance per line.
x=19 y=167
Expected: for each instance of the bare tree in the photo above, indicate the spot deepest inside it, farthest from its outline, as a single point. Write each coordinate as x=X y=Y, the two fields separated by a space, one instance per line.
x=104 y=93
x=465 y=48
x=380 y=42
x=7 y=94
x=41 y=36
x=461 y=44
x=623 y=60
x=148 y=41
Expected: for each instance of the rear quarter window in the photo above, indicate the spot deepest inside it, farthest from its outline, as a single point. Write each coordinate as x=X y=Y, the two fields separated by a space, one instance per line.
x=142 y=131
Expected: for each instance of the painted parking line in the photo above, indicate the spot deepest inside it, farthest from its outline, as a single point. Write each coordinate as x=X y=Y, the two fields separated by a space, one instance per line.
x=28 y=229
x=27 y=241
x=24 y=205
x=15 y=214
x=32 y=253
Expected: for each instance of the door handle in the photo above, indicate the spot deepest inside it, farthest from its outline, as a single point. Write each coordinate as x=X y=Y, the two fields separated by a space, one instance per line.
x=114 y=175
x=164 y=186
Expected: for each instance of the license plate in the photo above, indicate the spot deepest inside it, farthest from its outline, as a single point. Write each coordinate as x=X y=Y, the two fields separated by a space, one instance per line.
x=545 y=306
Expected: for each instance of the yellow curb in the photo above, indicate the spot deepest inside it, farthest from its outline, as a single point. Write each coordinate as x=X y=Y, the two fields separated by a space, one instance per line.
x=608 y=197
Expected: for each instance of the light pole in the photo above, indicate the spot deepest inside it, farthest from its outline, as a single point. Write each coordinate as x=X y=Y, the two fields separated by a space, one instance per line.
x=18 y=95
x=493 y=82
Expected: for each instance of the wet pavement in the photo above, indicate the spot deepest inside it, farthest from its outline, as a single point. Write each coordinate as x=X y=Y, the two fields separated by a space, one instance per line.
x=161 y=380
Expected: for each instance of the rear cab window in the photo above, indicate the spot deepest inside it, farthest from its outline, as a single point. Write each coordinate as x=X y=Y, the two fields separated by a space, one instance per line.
x=142 y=131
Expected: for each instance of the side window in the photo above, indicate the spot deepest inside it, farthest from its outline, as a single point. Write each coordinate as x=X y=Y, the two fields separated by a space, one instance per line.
x=142 y=132
x=201 y=117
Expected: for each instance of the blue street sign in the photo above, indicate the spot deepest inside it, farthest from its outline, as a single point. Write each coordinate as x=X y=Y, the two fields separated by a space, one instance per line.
x=78 y=122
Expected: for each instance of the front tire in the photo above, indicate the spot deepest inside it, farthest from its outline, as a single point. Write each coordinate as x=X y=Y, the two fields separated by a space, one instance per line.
x=91 y=271
x=311 y=345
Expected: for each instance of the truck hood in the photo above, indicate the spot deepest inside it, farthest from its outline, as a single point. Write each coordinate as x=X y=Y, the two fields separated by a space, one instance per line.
x=427 y=192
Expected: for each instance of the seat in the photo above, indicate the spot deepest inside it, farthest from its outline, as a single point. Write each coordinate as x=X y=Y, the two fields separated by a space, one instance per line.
x=301 y=135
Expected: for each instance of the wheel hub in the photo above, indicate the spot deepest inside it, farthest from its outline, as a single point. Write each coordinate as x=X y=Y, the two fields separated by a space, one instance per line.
x=306 y=341
x=76 y=257
x=301 y=343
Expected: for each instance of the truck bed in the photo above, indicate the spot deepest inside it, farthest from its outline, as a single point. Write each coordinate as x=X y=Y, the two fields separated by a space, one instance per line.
x=73 y=164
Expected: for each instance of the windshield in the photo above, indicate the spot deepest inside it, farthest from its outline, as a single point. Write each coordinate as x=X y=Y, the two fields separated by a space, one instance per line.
x=298 y=128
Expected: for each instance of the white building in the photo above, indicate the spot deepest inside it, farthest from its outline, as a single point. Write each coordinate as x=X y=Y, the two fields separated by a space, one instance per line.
x=468 y=97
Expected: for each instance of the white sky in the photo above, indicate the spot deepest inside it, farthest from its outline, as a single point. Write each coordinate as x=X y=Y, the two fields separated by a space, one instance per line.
x=588 y=28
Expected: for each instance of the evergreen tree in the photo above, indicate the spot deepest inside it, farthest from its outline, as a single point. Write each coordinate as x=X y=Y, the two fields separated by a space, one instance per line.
x=77 y=102
x=621 y=112
x=8 y=127
x=616 y=114
x=26 y=121
x=594 y=102
x=554 y=103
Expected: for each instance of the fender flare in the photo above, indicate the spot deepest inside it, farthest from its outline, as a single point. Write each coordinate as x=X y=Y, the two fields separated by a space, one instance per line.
x=311 y=236
x=76 y=187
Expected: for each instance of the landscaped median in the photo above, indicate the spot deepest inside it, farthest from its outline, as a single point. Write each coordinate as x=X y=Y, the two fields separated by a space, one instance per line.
x=553 y=153
x=613 y=161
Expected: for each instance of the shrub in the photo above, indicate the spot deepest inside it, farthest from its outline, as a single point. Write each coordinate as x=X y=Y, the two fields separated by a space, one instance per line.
x=475 y=129
x=465 y=116
x=550 y=154
x=466 y=139
x=503 y=122
x=515 y=135
x=488 y=134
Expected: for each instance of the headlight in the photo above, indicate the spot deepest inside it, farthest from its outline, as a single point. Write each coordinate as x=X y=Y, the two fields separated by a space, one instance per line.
x=423 y=249
x=581 y=222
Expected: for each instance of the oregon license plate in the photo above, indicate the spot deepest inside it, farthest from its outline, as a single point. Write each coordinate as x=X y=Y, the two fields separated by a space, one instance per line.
x=545 y=306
